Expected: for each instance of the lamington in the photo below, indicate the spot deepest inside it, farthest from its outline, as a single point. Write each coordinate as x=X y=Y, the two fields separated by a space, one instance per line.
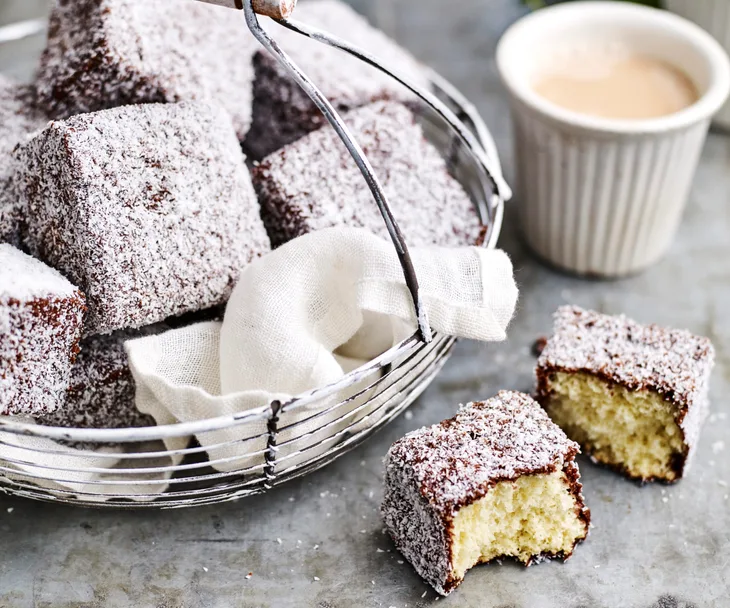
x=17 y=120
x=498 y=480
x=282 y=112
x=634 y=396
x=314 y=183
x=41 y=314
x=101 y=392
x=149 y=209
x=107 y=53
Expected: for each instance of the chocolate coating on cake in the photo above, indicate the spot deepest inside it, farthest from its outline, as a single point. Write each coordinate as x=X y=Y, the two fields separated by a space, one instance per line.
x=314 y=183
x=282 y=112
x=17 y=120
x=433 y=472
x=149 y=208
x=108 y=53
x=41 y=314
x=101 y=392
x=673 y=363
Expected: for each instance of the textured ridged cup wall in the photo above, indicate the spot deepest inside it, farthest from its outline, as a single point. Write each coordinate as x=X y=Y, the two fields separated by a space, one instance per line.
x=601 y=205
x=713 y=16
x=600 y=196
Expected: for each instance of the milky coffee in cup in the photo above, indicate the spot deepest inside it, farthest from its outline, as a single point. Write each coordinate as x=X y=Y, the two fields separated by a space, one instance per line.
x=616 y=85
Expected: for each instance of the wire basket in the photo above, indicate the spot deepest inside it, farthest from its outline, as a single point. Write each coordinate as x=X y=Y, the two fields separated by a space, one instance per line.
x=162 y=467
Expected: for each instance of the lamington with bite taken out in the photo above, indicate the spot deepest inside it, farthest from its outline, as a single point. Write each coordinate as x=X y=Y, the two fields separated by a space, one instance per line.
x=150 y=209
x=108 y=53
x=18 y=119
x=634 y=396
x=283 y=112
x=497 y=480
x=41 y=314
x=314 y=183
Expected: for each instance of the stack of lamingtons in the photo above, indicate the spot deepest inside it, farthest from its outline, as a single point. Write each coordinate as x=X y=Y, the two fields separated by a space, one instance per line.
x=127 y=205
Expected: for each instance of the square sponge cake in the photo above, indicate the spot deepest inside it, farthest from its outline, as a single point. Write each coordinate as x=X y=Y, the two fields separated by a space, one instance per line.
x=283 y=112
x=313 y=183
x=108 y=53
x=149 y=209
x=634 y=396
x=497 y=480
x=41 y=315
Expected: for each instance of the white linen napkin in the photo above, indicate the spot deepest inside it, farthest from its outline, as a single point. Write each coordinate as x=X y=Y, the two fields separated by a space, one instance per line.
x=88 y=474
x=302 y=317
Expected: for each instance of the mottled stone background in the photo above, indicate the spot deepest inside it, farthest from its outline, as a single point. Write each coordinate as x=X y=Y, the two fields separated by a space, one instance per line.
x=651 y=547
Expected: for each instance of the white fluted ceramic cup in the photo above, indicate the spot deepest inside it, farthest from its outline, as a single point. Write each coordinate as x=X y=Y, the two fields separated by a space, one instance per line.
x=604 y=197
x=713 y=16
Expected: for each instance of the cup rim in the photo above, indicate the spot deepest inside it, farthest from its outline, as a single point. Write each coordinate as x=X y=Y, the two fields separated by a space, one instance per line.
x=708 y=103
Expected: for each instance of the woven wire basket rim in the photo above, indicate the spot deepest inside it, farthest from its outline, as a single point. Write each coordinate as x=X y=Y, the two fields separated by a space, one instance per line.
x=493 y=216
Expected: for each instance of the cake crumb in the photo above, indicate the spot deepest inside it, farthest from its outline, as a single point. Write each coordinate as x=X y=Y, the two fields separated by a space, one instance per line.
x=278 y=540
x=316 y=578
x=205 y=569
x=249 y=575
x=718 y=446
x=539 y=345
x=11 y=509
x=409 y=415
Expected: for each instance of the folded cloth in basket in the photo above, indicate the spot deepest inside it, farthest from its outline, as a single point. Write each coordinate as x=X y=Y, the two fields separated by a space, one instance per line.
x=301 y=318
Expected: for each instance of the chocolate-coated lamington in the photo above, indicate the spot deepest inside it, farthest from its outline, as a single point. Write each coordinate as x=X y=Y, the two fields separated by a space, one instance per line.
x=282 y=112
x=17 y=120
x=101 y=392
x=149 y=209
x=314 y=183
x=107 y=53
x=41 y=315
x=497 y=480
x=634 y=396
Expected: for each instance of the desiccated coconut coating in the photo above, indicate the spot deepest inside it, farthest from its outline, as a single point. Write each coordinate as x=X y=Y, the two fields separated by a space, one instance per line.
x=675 y=364
x=108 y=53
x=17 y=120
x=101 y=392
x=282 y=112
x=149 y=208
x=41 y=314
x=314 y=183
x=432 y=473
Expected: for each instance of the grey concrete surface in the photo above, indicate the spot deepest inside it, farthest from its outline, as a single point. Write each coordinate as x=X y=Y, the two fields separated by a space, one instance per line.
x=318 y=542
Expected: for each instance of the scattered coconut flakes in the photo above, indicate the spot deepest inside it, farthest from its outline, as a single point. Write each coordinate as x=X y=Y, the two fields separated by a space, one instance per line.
x=249 y=575
x=409 y=415
x=11 y=509
x=205 y=569
x=718 y=446
x=379 y=550
x=316 y=578
x=722 y=482
x=278 y=540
